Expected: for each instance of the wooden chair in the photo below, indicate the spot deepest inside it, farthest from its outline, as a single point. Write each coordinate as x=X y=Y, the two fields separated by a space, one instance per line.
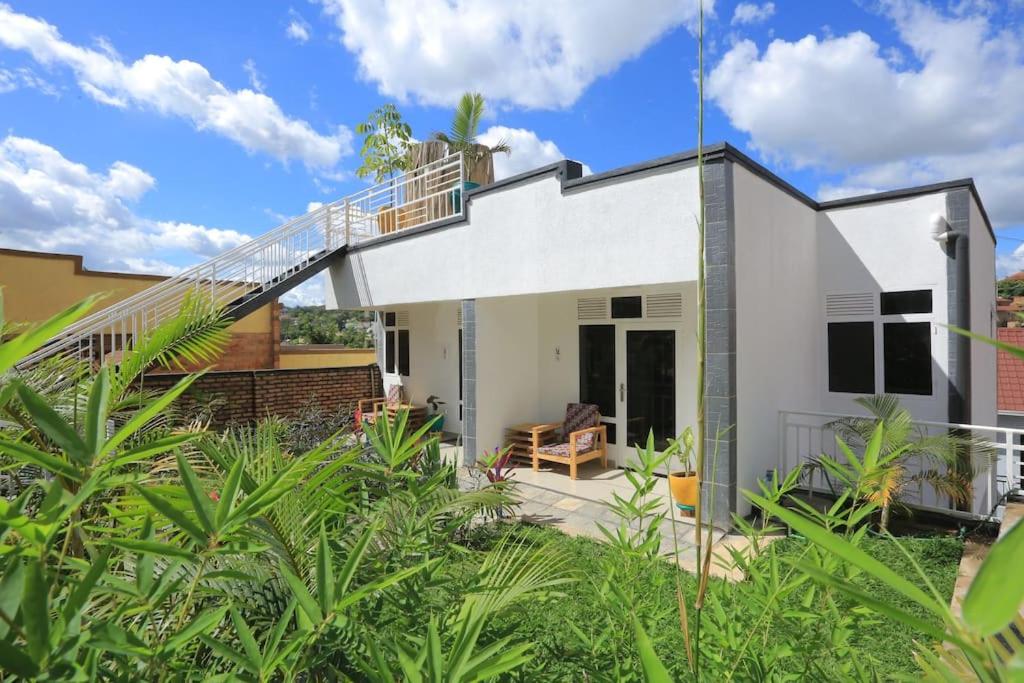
x=582 y=437
x=368 y=409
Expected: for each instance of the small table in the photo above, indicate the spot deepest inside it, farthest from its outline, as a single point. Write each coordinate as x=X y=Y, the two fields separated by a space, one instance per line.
x=519 y=437
x=417 y=414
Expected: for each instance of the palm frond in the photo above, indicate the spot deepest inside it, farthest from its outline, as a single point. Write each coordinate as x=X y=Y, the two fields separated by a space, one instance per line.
x=468 y=114
x=198 y=334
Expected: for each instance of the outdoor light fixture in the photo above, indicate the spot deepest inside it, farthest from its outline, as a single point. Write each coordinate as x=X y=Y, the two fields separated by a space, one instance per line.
x=940 y=228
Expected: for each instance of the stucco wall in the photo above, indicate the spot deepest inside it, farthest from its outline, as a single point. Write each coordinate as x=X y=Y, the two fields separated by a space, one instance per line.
x=777 y=320
x=530 y=238
x=326 y=356
x=39 y=285
x=878 y=247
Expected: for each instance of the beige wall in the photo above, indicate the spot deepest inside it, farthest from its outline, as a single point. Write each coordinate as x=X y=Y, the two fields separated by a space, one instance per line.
x=324 y=356
x=37 y=285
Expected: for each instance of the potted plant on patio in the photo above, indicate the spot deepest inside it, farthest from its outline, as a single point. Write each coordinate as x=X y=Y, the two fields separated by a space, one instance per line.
x=385 y=152
x=477 y=158
x=437 y=413
x=683 y=483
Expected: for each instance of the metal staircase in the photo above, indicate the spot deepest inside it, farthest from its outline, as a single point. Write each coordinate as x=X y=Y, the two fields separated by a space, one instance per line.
x=249 y=276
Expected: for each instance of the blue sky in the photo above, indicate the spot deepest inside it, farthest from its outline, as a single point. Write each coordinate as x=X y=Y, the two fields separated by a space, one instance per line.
x=148 y=136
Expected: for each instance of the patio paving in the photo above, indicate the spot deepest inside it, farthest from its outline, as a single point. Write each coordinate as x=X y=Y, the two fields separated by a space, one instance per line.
x=577 y=507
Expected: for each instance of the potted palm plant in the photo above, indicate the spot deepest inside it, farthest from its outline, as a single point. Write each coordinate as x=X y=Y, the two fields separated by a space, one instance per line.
x=683 y=483
x=477 y=158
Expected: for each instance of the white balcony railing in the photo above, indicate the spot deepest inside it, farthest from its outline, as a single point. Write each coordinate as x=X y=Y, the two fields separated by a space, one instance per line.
x=803 y=436
x=419 y=197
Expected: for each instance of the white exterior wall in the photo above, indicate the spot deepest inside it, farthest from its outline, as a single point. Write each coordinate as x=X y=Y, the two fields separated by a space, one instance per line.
x=529 y=238
x=777 y=316
x=983 y=356
x=433 y=358
x=878 y=247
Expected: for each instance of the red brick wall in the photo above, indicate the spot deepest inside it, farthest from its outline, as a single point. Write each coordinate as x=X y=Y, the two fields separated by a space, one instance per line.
x=252 y=394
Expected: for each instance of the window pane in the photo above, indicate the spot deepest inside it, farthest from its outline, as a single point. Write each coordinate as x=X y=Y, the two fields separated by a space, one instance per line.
x=851 y=357
x=914 y=301
x=627 y=307
x=908 y=358
x=403 y=353
x=651 y=383
x=610 y=430
x=389 y=319
x=389 y=351
x=597 y=367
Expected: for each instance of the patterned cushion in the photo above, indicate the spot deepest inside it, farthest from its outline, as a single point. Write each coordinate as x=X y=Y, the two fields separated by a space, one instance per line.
x=579 y=416
x=584 y=443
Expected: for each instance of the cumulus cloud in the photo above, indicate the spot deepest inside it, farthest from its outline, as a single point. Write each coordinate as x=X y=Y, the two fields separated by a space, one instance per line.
x=309 y=293
x=532 y=53
x=838 y=104
x=298 y=29
x=180 y=88
x=50 y=203
x=752 y=13
x=528 y=151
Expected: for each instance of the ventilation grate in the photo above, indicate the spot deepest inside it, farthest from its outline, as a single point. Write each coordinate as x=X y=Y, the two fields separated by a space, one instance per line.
x=402 y=319
x=594 y=308
x=860 y=303
x=458 y=316
x=668 y=305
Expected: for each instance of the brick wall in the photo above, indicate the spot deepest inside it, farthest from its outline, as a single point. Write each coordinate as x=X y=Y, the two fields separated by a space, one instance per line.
x=252 y=394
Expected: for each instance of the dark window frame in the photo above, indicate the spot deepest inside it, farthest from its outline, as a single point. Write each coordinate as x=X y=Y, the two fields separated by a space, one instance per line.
x=838 y=357
x=627 y=307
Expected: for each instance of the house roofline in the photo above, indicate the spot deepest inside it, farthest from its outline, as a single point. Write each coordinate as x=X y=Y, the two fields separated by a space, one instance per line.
x=79 y=268
x=724 y=150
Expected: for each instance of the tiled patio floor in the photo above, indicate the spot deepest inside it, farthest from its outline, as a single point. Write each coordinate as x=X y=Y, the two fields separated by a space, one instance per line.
x=576 y=507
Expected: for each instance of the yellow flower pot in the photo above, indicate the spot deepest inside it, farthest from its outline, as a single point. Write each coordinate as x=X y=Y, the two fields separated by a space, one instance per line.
x=684 y=488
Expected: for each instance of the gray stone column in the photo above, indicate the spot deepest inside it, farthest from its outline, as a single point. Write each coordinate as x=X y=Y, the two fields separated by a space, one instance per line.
x=958 y=292
x=469 y=382
x=720 y=368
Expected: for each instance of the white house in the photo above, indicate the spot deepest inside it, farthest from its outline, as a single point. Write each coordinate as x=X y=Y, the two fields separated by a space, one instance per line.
x=550 y=287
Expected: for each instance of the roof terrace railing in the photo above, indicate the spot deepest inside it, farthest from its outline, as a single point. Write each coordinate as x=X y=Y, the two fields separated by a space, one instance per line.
x=416 y=198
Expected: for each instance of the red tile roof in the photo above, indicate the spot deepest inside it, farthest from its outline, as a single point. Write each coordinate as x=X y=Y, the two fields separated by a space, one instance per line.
x=1016 y=276
x=1010 y=371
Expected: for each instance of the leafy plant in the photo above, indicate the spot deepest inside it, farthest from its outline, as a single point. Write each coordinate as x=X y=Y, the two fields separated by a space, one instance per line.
x=885 y=472
x=386 y=140
x=462 y=135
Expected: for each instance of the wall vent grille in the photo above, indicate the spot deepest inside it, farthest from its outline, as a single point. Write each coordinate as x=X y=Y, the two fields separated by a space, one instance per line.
x=593 y=308
x=668 y=305
x=859 y=303
x=402 y=319
x=458 y=316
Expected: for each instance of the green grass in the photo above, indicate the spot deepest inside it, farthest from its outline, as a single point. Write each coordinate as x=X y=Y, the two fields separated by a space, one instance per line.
x=582 y=635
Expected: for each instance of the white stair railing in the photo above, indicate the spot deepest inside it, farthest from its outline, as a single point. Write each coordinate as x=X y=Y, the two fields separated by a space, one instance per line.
x=413 y=199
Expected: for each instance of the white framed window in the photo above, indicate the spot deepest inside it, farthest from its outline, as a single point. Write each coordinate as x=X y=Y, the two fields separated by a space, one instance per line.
x=396 y=342
x=881 y=349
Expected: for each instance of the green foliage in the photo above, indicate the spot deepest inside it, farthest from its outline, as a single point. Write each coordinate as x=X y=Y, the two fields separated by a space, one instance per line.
x=462 y=136
x=147 y=553
x=1008 y=288
x=385 y=144
x=317 y=325
x=882 y=474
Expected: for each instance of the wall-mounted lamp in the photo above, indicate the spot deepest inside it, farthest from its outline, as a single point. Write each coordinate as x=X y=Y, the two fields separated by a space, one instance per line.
x=940 y=228
x=558 y=353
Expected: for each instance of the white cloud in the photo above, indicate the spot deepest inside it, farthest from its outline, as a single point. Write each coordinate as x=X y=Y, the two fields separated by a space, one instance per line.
x=528 y=151
x=531 y=53
x=13 y=79
x=50 y=203
x=752 y=13
x=298 y=28
x=838 y=104
x=182 y=88
x=255 y=77
x=309 y=293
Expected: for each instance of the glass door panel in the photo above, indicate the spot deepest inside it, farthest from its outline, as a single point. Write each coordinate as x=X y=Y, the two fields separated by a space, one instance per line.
x=650 y=386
